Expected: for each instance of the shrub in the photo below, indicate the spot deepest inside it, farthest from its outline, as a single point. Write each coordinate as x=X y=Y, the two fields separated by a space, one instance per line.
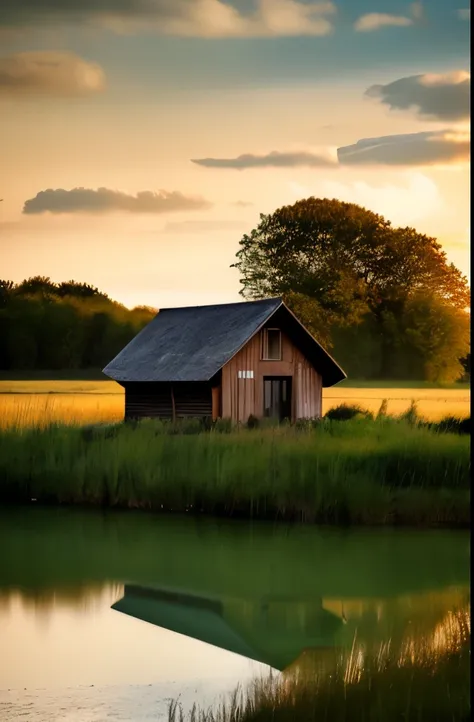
x=223 y=426
x=345 y=412
x=453 y=425
x=253 y=422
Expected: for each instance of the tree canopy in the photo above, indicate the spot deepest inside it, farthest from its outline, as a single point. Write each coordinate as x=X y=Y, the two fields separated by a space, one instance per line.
x=343 y=268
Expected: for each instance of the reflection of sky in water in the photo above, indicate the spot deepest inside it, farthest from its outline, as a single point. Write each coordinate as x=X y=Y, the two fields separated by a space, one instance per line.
x=54 y=651
x=68 y=645
x=127 y=703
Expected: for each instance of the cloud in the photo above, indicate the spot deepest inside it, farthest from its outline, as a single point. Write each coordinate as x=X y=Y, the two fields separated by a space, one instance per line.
x=49 y=74
x=464 y=14
x=426 y=148
x=189 y=18
x=104 y=200
x=438 y=147
x=439 y=97
x=275 y=159
x=188 y=227
x=375 y=21
x=242 y=204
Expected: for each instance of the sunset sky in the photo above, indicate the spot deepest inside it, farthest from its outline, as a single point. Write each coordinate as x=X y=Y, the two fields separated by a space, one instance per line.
x=141 y=138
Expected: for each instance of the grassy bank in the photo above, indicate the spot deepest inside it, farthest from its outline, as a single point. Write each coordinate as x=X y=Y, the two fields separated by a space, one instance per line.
x=361 y=471
x=421 y=681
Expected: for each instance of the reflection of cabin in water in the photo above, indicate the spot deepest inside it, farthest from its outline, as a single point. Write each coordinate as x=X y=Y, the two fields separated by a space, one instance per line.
x=273 y=631
x=231 y=361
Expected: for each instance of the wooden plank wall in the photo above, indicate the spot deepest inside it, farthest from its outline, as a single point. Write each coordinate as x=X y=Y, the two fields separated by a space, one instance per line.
x=243 y=397
x=155 y=400
x=147 y=401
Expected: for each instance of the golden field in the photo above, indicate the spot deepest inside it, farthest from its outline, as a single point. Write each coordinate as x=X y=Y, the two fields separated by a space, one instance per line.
x=38 y=403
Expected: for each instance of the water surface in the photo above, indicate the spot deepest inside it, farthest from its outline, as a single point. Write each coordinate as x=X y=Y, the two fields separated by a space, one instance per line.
x=108 y=616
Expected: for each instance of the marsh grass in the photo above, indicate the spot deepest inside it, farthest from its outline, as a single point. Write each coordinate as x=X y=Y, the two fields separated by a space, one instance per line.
x=423 y=680
x=362 y=471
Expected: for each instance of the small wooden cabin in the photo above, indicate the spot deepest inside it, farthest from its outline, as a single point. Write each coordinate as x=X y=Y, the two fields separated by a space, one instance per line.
x=224 y=361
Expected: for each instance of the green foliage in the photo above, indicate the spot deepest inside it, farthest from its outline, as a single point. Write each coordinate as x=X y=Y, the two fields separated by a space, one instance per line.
x=79 y=290
x=438 y=335
x=359 y=471
x=358 y=348
x=223 y=426
x=306 y=424
x=385 y=299
x=69 y=325
x=411 y=415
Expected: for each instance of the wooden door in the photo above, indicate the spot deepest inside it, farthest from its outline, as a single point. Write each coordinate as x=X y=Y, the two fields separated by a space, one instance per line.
x=277 y=397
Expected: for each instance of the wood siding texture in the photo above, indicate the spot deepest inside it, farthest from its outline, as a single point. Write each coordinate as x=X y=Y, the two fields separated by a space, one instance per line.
x=242 y=397
x=147 y=400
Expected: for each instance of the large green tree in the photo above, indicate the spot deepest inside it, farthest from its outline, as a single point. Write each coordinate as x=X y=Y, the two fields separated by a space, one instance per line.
x=338 y=265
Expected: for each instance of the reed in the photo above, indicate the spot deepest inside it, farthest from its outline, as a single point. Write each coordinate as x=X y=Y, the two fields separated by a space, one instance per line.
x=418 y=682
x=362 y=471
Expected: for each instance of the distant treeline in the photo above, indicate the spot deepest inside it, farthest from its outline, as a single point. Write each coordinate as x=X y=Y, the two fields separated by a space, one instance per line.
x=70 y=325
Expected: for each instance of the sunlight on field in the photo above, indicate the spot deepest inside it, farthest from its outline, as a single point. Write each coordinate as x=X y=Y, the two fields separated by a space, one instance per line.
x=60 y=387
x=38 y=403
x=433 y=404
x=22 y=410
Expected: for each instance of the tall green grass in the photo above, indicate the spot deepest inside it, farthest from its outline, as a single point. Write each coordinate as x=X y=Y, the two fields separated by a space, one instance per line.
x=427 y=682
x=361 y=471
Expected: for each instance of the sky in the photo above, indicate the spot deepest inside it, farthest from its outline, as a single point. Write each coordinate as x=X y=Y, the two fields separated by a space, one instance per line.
x=140 y=139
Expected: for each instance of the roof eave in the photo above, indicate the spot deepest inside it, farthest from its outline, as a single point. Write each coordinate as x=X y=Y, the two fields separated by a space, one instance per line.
x=121 y=380
x=332 y=382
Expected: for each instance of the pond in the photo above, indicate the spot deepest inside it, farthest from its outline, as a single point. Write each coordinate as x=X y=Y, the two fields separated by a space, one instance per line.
x=109 y=616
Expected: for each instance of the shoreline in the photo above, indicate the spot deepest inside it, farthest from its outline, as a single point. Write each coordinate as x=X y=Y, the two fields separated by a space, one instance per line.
x=234 y=516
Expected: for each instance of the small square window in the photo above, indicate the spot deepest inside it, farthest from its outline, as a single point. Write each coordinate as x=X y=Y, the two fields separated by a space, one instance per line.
x=272 y=344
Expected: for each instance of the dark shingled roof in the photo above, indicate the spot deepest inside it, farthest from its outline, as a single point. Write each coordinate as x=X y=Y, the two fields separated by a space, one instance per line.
x=194 y=343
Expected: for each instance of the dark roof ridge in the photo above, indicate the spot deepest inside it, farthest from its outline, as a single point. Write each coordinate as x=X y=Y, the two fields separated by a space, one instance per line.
x=222 y=305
